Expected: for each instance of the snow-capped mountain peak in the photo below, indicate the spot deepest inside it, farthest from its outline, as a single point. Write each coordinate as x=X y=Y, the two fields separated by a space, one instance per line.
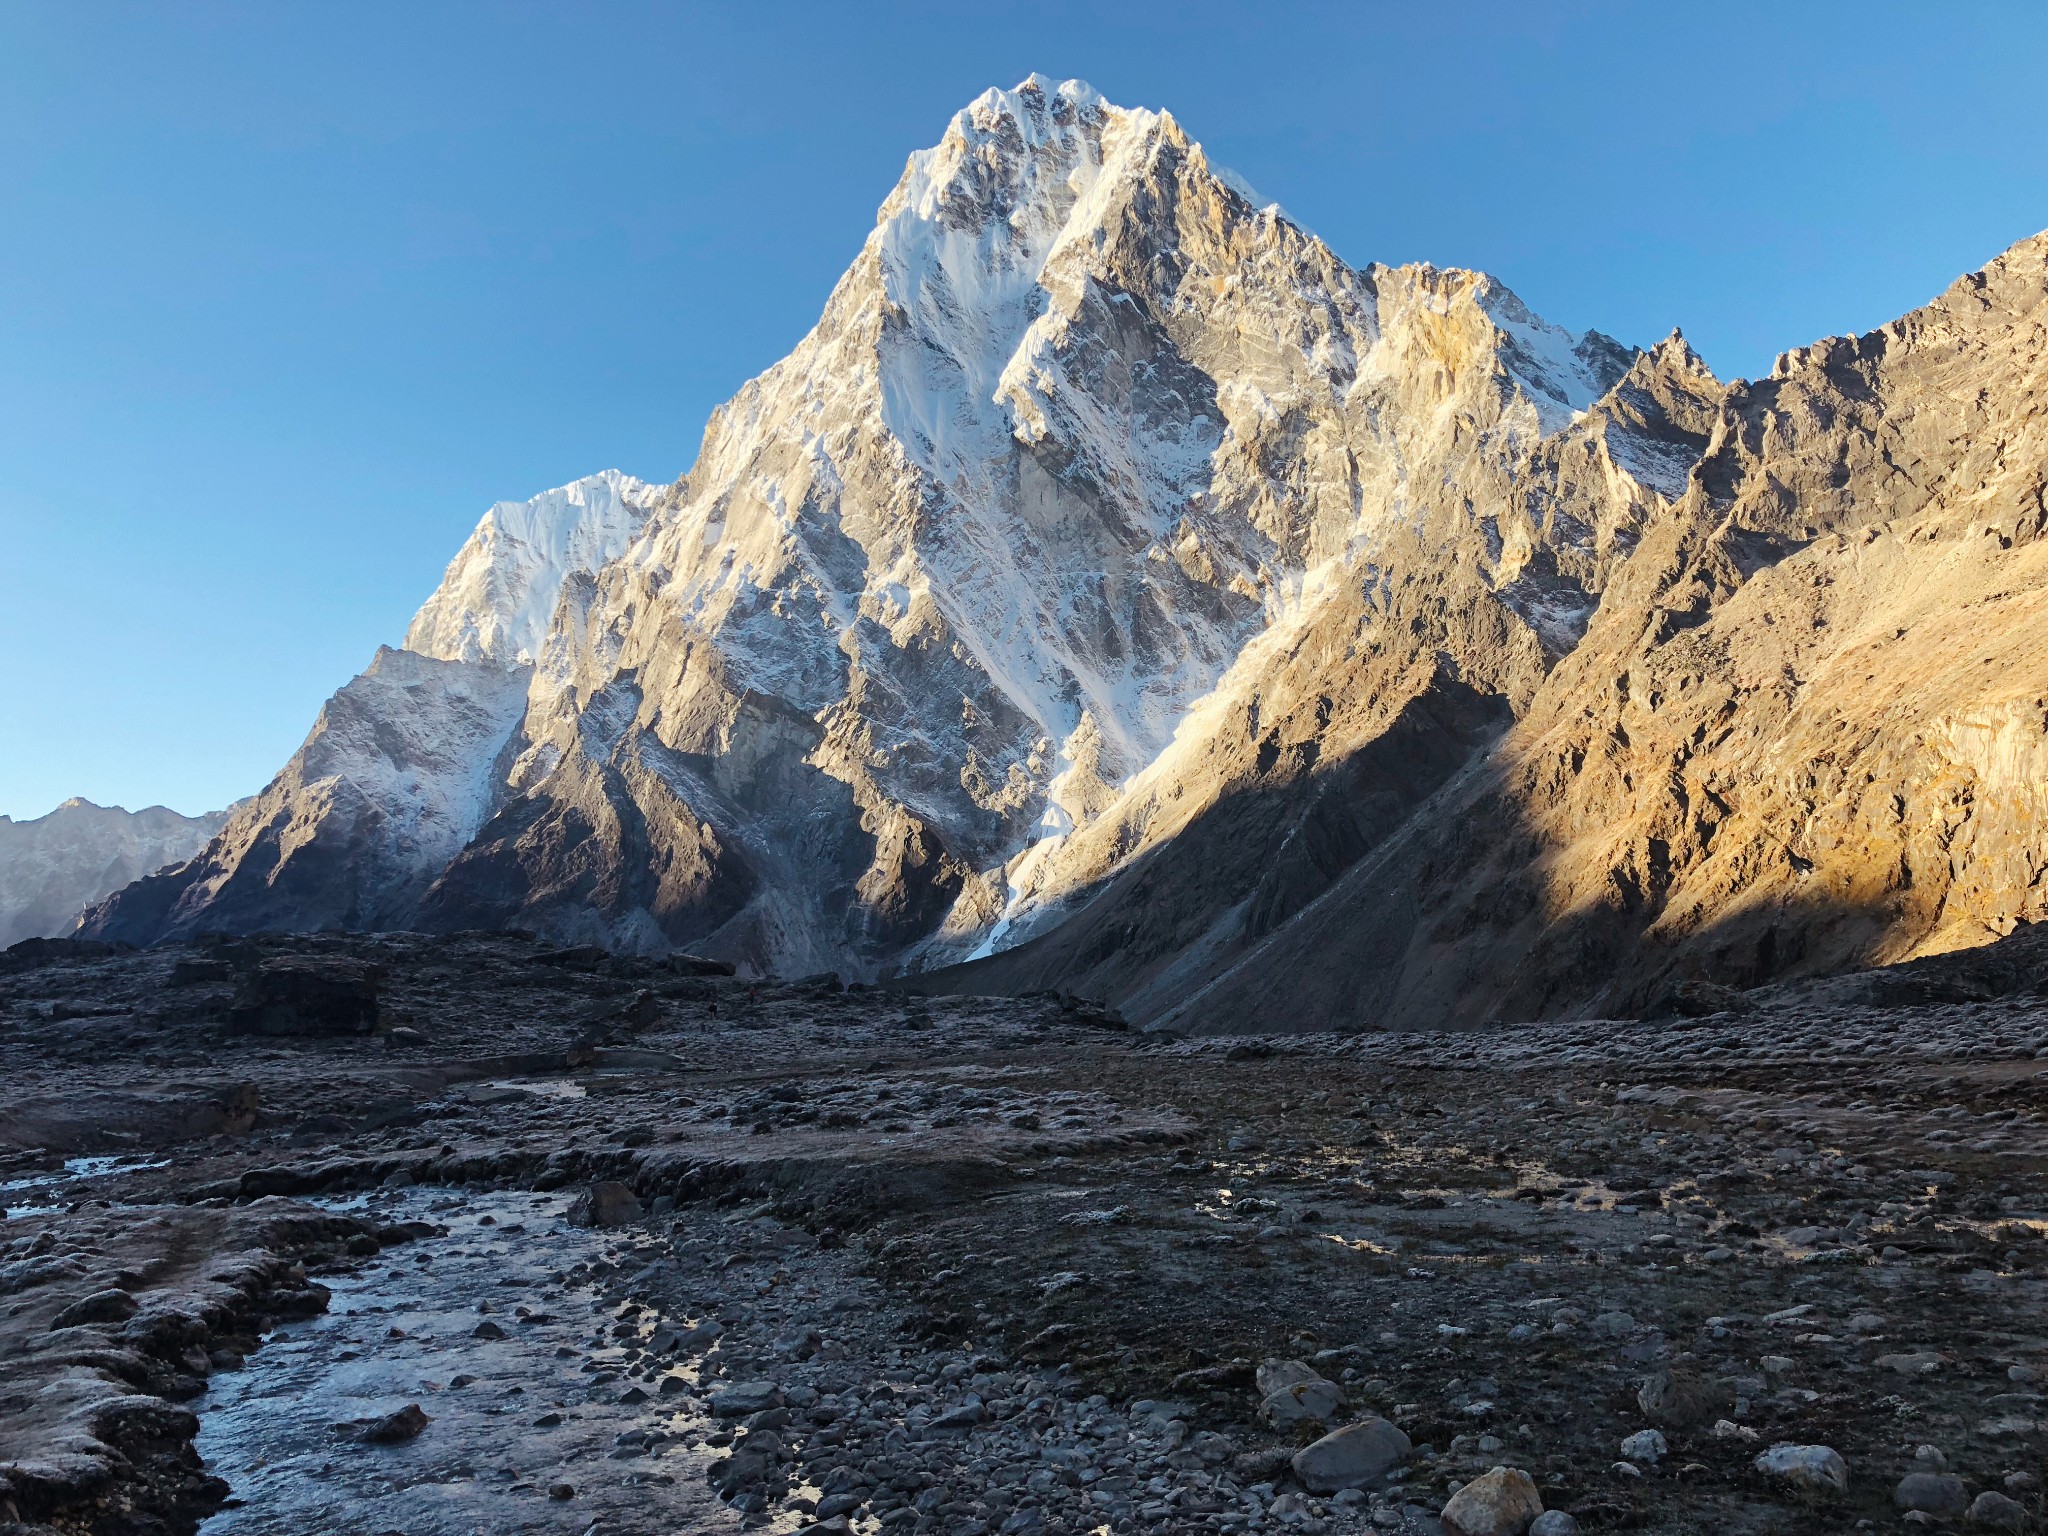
x=1082 y=446
x=497 y=600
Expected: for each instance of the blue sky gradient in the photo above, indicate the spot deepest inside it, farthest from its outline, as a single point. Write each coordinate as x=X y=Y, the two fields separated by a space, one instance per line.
x=290 y=293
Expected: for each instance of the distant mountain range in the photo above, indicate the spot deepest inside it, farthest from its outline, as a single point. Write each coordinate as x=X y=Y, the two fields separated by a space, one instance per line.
x=56 y=866
x=1118 y=591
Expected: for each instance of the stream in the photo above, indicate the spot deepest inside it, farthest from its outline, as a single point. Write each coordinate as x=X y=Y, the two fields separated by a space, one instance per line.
x=550 y=1427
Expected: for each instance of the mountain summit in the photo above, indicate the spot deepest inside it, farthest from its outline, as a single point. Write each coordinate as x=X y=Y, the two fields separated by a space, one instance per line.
x=1109 y=578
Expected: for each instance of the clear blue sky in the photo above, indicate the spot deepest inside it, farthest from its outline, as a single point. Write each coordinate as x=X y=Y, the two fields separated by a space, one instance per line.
x=289 y=293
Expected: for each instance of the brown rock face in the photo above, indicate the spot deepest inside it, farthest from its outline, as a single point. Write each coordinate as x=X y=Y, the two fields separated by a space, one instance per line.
x=1806 y=731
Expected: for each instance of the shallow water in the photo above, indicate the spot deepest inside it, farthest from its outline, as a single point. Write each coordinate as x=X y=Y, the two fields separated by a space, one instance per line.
x=45 y=1184
x=401 y=1331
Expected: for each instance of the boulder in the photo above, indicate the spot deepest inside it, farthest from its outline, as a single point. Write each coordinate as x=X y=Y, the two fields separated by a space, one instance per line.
x=1554 y=1522
x=1697 y=1000
x=1357 y=1456
x=1646 y=1446
x=1680 y=1400
x=306 y=996
x=1502 y=1503
x=607 y=1203
x=1932 y=1493
x=1314 y=1401
x=1994 y=1511
x=1272 y=1375
x=1810 y=1469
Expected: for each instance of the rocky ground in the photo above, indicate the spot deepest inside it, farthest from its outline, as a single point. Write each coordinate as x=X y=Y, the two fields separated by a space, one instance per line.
x=473 y=1233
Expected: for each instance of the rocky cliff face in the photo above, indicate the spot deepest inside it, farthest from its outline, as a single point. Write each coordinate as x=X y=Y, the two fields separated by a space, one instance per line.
x=1117 y=590
x=56 y=866
x=1804 y=732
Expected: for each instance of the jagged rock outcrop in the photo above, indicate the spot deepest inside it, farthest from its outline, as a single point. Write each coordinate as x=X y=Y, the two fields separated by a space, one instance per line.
x=54 y=867
x=1117 y=591
x=1807 y=730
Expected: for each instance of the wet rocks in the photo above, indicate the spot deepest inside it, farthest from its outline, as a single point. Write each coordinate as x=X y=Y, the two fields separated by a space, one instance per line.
x=1812 y=1470
x=1356 y=1456
x=393 y=1428
x=1504 y=1502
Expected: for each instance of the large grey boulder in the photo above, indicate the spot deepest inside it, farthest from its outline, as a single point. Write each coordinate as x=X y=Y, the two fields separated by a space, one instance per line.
x=1502 y=1503
x=1357 y=1456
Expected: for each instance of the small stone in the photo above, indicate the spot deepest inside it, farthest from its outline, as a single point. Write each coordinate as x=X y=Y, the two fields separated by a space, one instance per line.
x=1356 y=1456
x=1502 y=1503
x=1614 y=1325
x=1935 y=1493
x=1996 y=1512
x=561 y=1491
x=1554 y=1522
x=1815 y=1469
x=1647 y=1446
x=487 y=1330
